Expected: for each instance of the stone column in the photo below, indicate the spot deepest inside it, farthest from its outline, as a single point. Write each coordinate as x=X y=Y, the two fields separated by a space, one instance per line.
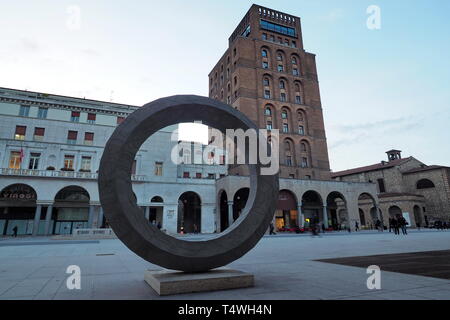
x=91 y=216
x=230 y=213
x=301 y=219
x=147 y=213
x=207 y=218
x=325 y=216
x=37 y=219
x=100 y=217
x=170 y=218
x=48 y=219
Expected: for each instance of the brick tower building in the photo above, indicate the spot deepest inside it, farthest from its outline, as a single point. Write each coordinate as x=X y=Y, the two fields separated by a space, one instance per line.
x=266 y=74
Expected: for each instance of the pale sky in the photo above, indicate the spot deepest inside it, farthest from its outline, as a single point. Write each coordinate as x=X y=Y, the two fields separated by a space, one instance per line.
x=381 y=89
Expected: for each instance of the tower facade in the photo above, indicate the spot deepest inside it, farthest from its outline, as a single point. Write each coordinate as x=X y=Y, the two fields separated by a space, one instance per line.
x=266 y=74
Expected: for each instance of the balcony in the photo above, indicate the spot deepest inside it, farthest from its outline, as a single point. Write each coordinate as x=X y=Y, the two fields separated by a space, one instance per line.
x=59 y=174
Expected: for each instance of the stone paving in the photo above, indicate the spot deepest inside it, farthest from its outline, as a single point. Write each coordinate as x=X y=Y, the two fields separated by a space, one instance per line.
x=284 y=267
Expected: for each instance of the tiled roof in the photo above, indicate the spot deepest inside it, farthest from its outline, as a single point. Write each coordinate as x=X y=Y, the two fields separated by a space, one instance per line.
x=426 y=168
x=373 y=167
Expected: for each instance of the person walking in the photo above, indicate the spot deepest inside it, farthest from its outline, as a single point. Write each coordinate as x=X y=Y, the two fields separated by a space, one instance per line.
x=159 y=226
x=378 y=225
x=15 y=229
x=390 y=224
x=395 y=226
x=272 y=228
x=356 y=226
x=403 y=223
x=418 y=225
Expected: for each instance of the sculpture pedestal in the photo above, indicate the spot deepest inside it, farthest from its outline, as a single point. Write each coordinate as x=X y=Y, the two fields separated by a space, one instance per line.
x=168 y=282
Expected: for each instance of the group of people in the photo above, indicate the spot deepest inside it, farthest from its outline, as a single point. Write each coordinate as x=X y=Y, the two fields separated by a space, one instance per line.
x=397 y=223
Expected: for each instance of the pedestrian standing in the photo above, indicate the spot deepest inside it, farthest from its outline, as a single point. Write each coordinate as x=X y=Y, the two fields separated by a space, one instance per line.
x=15 y=229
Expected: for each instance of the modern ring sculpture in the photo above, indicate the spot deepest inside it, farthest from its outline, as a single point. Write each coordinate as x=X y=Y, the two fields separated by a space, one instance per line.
x=127 y=219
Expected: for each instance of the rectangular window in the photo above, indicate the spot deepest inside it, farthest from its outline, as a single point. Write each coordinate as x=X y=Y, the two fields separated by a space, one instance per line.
x=91 y=118
x=289 y=161
x=286 y=43
x=280 y=68
x=264 y=36
x=266 y=94
x=158 y=169
x=34 y=161
x=295 y=72
x=42 y=113
x=86 y=163
x=39 y=134
x=298 y=99
x=269 y=125
x=72 y=137
x=285 y=128
x=292 y=176
x=265 y=65
x=294 y=44
x=185 y=174
x=304 y=162
x=75 y=116
x=283 y=97
x=24 y=111
x=89 y=138
x=198 y=175
x=381 y=185
x=301 y=130
x=211 y=176
x=14 y=160
x=69 y=162
x=20 y=132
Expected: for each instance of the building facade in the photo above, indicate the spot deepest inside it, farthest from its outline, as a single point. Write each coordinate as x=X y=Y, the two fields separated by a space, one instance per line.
x=405 y=186
x=266 y=74
x=50 y=150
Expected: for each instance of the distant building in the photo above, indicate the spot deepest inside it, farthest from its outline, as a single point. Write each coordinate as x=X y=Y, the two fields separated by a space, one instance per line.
x=405 y=185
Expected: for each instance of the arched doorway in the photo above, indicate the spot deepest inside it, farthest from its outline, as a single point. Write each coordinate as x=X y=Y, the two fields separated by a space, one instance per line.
x=17 y=209
x=223 y=207
x=312 y=207
x=156 y=210
x=362 y=217
x=286 y=214
x=418 y=215
x=374 y=216
x=239 y=202
x=189 y=213
x=71 y=210
x=366 y=201
x=395 y=212
x=337 y=211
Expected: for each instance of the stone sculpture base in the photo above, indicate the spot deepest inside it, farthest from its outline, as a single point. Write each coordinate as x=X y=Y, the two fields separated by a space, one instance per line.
x=168 y=282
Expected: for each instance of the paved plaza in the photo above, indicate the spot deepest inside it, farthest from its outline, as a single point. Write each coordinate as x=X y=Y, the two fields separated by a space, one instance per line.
x=285 y=267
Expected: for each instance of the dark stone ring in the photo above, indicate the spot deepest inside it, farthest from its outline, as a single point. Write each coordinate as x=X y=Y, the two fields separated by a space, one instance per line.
x=127 y=219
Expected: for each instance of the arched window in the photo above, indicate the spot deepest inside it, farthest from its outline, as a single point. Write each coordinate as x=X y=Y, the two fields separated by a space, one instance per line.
x=284 y=114
x=425 y=184
x=282 y=84
x=287 y=146
x=294 y=60
x=268 y=112
x=266 y=82
x=264 y=53
x=279 y=57
x=303 y=147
